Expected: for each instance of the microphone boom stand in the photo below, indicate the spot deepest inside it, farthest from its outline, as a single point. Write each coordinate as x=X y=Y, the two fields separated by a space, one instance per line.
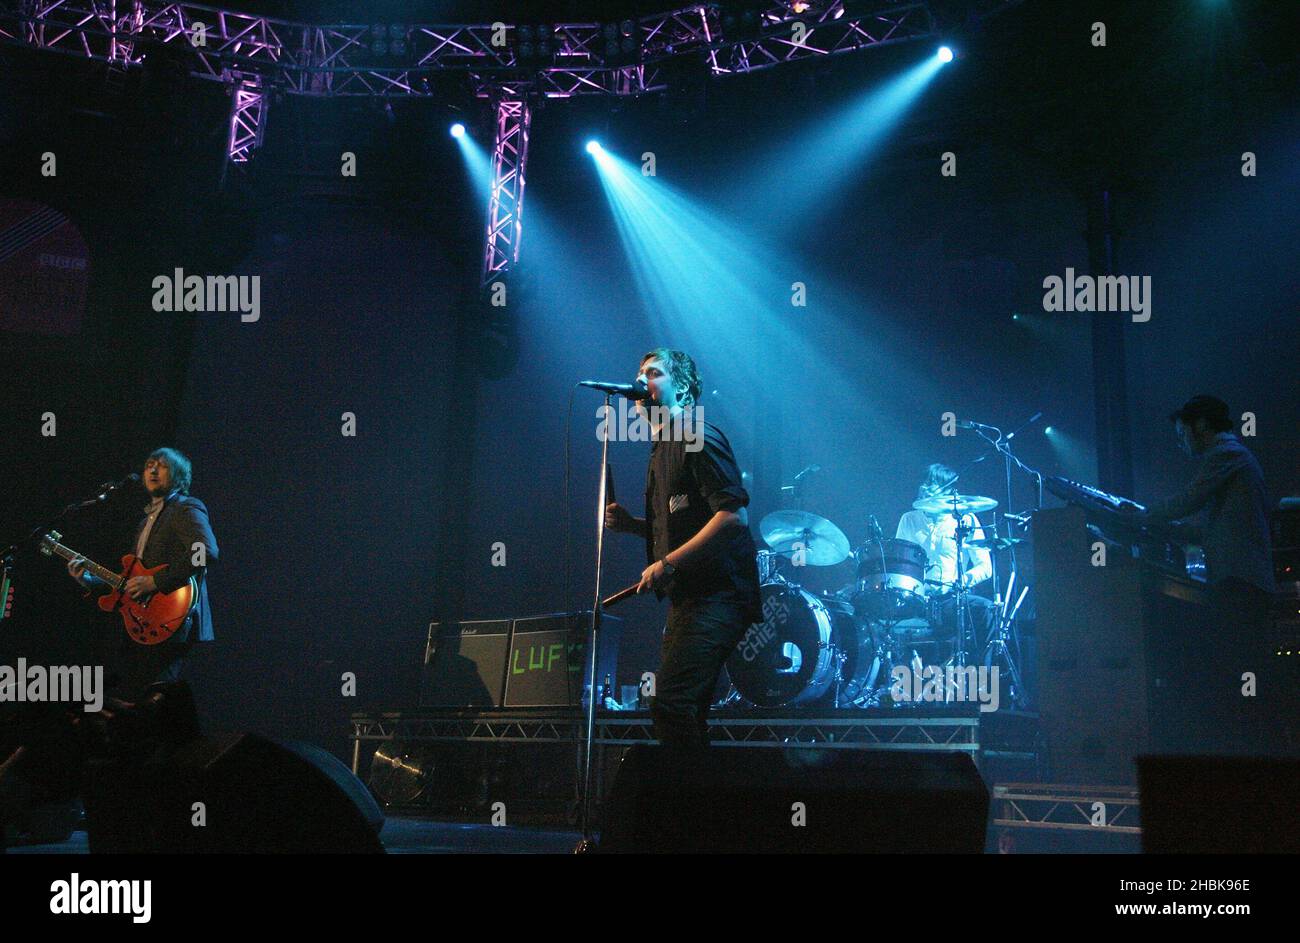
x=587 y=842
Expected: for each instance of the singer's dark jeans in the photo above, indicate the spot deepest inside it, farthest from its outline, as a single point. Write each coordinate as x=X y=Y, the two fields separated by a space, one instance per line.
x=700 y=634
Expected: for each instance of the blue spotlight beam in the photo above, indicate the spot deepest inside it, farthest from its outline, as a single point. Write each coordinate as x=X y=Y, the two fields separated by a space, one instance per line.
x=794 y=175
x=711 y=287
x=477 y=165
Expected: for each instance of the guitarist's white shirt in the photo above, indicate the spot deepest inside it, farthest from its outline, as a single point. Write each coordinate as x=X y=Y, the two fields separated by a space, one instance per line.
x=154 y=508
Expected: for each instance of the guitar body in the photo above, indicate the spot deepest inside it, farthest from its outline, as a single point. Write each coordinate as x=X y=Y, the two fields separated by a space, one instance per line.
x=156 y=618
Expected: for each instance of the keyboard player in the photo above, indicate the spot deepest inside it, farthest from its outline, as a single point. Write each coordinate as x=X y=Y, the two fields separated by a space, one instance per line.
x=1227 y=493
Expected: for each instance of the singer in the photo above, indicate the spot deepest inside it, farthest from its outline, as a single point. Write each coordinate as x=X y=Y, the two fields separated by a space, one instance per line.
x=700 y=552
x=174 y=523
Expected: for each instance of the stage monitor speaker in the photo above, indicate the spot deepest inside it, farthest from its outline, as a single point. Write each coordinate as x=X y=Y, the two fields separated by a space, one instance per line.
x=465 y=664
x=240 y=793
x=771 y=800
x=548 y=666
x=1219 y=804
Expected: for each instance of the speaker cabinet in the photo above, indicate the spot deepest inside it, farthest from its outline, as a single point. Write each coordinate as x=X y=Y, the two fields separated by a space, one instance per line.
x=239 y=793
x=1219 y=805
x=733 y=800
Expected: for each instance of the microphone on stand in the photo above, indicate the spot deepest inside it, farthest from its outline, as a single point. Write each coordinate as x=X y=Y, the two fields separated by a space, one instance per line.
x=1027 y=423
x=806 y=472
x=632 y=391
x=109 y=487
x=106 y=489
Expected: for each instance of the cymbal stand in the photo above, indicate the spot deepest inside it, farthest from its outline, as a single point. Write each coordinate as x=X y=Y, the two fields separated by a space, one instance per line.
x=998 y=649
x=963 y=604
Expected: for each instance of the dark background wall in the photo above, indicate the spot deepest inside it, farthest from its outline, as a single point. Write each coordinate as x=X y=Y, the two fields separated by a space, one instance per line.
x=337 y=551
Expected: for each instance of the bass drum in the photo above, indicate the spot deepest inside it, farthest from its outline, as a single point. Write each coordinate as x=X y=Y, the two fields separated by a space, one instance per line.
x=790 y=657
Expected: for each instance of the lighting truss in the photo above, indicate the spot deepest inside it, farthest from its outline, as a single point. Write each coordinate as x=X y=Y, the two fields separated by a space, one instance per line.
x=506 y=200
x=256 y=55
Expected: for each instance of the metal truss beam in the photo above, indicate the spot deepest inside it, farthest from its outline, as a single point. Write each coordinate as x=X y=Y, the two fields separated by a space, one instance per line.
x=1066 y=808
x=336 y=60
x=248 y=108
x=257 y=55
x=506 y=200
x=857 y=732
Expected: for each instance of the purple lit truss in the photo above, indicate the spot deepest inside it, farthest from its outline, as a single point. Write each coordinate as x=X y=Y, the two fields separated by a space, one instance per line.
x=255 y=55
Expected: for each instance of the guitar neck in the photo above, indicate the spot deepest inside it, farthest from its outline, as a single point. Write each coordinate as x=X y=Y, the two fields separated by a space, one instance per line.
x=105 y=574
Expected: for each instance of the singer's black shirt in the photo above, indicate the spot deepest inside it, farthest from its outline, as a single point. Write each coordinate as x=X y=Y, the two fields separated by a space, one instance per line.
x=686 y=484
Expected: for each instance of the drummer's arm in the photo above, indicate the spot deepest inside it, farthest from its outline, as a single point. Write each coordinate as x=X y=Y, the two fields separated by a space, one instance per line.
x=709 y=539
x=979 y=562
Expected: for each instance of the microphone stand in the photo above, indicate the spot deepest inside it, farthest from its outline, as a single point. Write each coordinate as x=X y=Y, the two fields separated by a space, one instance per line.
x=587 y=843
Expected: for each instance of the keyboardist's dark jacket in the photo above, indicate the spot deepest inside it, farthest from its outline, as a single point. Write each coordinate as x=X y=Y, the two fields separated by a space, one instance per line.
x=1228 y=491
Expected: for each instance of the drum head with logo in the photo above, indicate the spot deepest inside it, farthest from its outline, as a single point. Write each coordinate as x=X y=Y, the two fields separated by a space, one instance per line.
x=786 y=658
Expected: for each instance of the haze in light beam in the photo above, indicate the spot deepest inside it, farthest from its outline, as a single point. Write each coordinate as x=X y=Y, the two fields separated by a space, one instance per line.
x=787 y=181
x=718 y=292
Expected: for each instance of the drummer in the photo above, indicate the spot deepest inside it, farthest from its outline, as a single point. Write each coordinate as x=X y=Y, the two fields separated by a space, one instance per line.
x=936 y=534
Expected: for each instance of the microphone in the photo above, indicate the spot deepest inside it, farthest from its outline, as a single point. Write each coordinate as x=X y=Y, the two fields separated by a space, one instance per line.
x=806 y=472
x=632 y=391
x=1027 y=423
x=105 y=490
x=109 y=487
x=874 y=526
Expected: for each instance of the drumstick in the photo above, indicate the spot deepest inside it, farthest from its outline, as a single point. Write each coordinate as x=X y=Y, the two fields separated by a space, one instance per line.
x=619 y=596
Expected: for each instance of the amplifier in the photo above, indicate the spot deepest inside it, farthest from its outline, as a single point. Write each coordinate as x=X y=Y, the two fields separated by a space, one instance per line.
x=465 y=664
x=548 y=665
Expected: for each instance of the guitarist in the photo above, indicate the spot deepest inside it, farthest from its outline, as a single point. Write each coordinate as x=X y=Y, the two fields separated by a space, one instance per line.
x=173 y=524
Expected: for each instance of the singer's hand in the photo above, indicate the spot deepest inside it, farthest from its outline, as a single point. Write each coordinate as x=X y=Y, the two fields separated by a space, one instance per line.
x=652 y=576
x=617 y=518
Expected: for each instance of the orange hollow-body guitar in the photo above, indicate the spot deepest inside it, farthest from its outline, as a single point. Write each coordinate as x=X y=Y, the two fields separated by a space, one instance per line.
x=149 y=621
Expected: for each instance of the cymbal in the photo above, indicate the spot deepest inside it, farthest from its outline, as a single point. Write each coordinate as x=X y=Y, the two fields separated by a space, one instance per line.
x=954 y=503
x=996 y=543
x=824 y=544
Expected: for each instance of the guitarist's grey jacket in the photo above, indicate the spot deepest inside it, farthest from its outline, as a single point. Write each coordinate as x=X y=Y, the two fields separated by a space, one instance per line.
x=182 y=522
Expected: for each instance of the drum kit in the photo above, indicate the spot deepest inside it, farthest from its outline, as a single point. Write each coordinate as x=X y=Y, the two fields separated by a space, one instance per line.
x=840 y=649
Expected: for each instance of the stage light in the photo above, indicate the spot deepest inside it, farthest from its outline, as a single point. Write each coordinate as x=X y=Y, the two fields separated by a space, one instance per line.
x=945 y=54
x=1049 y=430
x=458 y=130
x=593 y=147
